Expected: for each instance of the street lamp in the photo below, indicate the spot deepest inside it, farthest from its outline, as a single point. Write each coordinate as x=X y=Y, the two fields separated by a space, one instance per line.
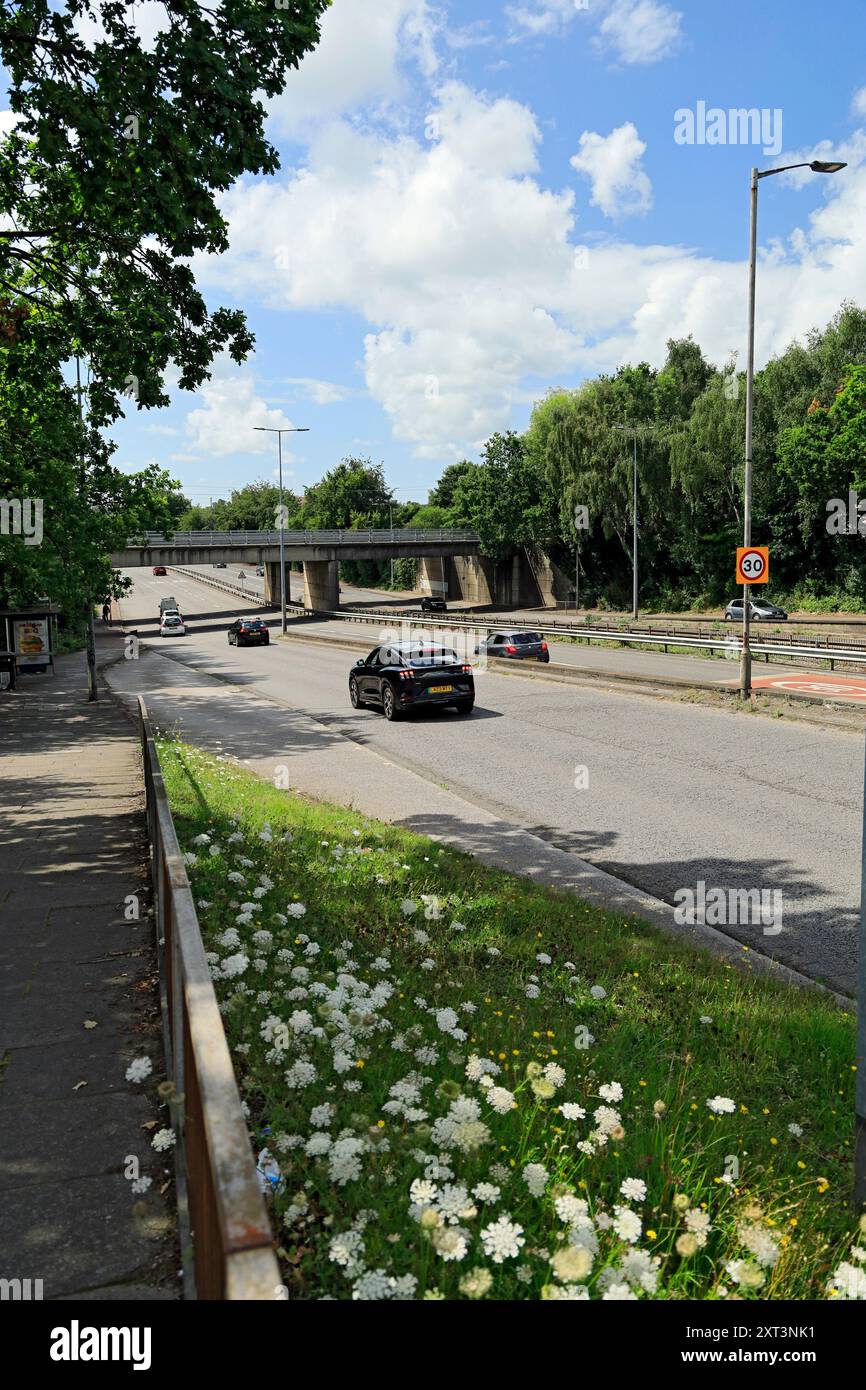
x=818 y=166
x=267 y=429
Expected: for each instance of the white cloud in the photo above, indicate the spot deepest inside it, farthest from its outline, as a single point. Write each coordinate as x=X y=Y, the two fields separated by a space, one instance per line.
x=160 y=429
x=858 y=102
x=542 y=17
x=466 y=271
x=635 y=31
x=319 y=392
x=358 y=61
x=447 y=247
x=224 y=423
x=8 y=121
x=640 y=31
x=148 y=19
x=612 y=163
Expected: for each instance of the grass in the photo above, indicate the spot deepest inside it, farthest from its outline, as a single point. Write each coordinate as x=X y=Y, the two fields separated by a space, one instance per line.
x=617 y=1003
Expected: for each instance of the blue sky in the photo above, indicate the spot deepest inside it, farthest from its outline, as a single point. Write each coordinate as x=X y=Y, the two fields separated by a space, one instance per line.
x=481 y=200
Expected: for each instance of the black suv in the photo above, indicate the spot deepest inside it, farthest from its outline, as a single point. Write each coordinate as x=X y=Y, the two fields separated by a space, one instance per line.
x=249 y=630
x=407 y=675
x=434 y=605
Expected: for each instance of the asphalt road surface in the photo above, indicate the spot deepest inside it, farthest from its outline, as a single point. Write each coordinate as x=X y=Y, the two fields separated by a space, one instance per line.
x=676 y=794
x=349 y=593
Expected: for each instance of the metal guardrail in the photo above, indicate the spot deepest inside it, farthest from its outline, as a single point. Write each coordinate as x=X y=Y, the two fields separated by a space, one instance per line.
x=839 y=620
x=233 y=1250
x=399 y=536
x=256 y=598
x=729 y=643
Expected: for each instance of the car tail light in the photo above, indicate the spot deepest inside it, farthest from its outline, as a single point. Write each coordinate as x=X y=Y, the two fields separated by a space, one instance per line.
x=466 y=668
x=406 y=675
x=544 y=646
x=510 y=649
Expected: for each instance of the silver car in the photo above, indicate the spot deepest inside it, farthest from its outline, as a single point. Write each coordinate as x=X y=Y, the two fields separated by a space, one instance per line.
x=514 y=646
x=761 y=610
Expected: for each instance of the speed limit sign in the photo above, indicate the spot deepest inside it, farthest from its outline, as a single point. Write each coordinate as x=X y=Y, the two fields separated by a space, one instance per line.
x=753 y=564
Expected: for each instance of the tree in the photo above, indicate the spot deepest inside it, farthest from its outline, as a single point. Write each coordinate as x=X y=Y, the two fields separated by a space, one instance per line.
x=504 y=498
x=352 y=494
x=109 y=183
x=442 y=495
x=687 y=372
x=51 y=459
x=822 y=459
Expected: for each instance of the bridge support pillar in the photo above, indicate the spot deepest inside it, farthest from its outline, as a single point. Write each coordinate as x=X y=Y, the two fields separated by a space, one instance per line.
x=272 y=582
x=432 y=577
x=474 y=578
x=322 y=584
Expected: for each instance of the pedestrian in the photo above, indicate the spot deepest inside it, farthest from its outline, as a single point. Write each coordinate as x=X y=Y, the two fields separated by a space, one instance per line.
x=106 y=611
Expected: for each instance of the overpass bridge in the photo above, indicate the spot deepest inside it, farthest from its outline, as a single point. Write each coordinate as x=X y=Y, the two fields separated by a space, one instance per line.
x=320 y=552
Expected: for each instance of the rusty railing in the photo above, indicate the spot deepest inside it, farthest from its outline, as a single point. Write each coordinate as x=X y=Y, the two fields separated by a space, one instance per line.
x=231 y=1244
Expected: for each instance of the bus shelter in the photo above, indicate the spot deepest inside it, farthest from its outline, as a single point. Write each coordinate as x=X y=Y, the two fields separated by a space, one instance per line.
x=29 y=636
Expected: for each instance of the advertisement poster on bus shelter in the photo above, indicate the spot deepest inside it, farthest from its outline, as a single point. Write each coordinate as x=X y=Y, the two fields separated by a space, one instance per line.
x=32 y=643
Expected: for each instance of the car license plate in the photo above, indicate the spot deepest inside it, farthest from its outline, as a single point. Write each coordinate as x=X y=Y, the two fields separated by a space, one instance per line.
x=439 y=689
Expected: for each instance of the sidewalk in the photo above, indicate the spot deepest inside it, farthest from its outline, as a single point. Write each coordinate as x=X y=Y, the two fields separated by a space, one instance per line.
x=78 y=1000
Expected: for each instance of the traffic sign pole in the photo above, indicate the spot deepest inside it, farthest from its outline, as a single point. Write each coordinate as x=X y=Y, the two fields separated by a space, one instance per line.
x=746 y=656
x=860 y=1118
x=753 y=567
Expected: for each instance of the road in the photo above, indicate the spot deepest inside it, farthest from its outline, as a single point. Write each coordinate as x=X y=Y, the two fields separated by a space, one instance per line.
x=676 y=793
x=605 y=659
x=349 y=593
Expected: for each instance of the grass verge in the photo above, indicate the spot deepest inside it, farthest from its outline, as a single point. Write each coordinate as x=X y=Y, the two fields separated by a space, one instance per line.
x=462 y=1085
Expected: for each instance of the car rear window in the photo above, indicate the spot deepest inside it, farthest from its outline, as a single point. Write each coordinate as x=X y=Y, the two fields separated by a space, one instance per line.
x=429 y=656
x=524 y=637
x=251 y=622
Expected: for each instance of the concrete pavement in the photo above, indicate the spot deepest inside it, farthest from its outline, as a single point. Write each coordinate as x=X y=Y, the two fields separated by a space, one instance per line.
x=78 y=1000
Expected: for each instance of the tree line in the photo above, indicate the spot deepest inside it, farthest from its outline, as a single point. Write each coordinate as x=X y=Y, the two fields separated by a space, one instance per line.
x=566 y=482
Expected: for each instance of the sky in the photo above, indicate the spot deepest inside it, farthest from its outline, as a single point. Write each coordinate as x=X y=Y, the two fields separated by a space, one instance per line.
x=479 y=201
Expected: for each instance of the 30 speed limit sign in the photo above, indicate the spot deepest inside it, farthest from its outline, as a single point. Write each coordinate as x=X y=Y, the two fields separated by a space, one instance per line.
x=753 y=564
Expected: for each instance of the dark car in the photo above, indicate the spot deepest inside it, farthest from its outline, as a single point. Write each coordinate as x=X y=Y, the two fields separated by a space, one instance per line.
x=760 y=611
x=434 y=605
x=260 y=571
x=409 y=675
x=515 y=646
x=219 y=564
x=159 y=569
x=249 y=630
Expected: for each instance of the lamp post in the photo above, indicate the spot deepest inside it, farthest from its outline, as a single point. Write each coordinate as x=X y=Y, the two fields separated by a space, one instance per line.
x=818 y=166
x=267 y=429
x=391 y=525
x=576 y=573
x=634 y=430
x=90 y=642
